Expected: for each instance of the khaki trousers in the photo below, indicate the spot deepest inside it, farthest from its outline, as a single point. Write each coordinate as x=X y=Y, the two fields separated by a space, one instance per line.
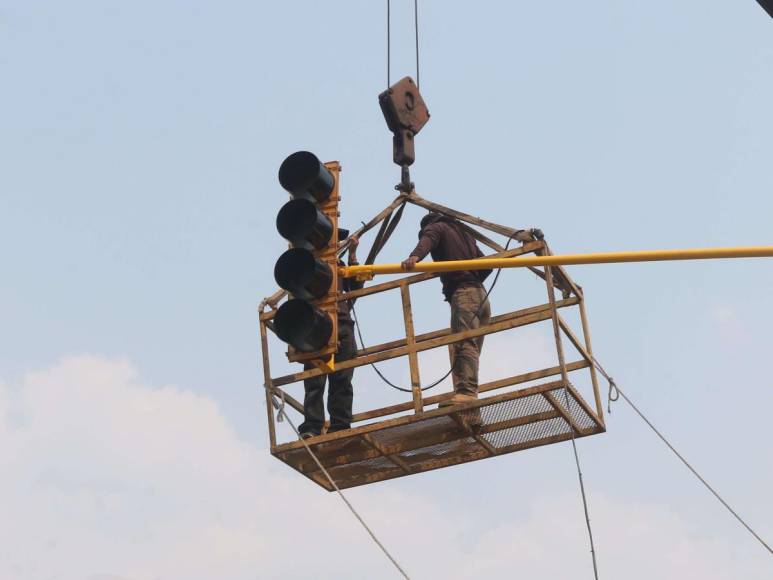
x=469 y=309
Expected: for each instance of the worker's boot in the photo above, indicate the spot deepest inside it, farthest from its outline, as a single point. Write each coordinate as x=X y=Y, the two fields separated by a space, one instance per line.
x=458 y=399
x=471 y=418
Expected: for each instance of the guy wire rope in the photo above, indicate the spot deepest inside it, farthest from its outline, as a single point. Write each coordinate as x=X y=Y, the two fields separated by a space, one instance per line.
x=615 y=392
x=565 y=381
x=282 y=414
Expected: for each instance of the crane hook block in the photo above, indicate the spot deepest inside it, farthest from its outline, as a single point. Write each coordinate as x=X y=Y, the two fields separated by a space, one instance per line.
x=405 y=113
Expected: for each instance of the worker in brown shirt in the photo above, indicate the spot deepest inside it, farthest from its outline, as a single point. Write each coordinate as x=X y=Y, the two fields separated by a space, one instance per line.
x=447 y=239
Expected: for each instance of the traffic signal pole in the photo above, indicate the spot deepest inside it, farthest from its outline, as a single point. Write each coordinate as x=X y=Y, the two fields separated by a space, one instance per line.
x=367 y=272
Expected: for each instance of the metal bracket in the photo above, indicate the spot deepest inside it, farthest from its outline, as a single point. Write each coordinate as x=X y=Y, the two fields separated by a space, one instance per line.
x=405 y=185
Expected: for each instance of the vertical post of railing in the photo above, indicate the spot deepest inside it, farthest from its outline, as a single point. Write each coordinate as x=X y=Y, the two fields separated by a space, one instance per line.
x=410 y=340
x=269 y=387
x=565 y=379
x=451 y=359
x=556 y=328
x=589 y=350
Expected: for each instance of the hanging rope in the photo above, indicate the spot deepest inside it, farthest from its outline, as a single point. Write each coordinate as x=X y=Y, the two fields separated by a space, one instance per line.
x=582 y=489
x=282 y=414
x=565 y=381
x=615 y=392
x=612 y=395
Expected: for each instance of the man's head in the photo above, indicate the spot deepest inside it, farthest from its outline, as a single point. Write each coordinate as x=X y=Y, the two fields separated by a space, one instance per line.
x=428 y=219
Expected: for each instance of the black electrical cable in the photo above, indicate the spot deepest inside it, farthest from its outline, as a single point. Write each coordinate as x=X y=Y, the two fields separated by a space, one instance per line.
x=445 y=376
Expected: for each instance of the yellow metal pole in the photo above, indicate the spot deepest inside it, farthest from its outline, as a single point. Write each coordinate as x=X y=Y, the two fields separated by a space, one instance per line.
x=368 y=271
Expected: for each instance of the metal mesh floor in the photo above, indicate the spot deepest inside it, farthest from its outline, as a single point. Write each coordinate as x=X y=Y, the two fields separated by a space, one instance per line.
x=448 y=436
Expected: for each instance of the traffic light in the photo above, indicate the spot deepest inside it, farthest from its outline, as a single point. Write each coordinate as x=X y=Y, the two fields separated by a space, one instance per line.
x=308 y=321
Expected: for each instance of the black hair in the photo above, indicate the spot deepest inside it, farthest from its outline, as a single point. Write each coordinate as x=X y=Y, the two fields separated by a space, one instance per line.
x=430 y=218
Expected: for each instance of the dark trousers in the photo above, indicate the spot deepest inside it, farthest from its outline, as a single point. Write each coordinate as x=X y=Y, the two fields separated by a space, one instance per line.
x=340 y=394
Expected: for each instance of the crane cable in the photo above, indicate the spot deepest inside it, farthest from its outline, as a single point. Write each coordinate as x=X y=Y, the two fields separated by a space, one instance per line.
x=389 y=40
x=615 y=392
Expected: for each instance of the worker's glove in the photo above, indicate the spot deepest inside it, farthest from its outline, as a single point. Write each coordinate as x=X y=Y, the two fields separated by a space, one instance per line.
x=525 y=236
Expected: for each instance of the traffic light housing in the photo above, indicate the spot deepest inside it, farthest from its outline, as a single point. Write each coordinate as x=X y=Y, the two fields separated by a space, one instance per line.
x=308 y=270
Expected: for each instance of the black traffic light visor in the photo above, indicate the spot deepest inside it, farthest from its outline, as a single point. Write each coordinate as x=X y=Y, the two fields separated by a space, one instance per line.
x=302 y=274
x=303 y=175
x=302 y=325
x=303 y=225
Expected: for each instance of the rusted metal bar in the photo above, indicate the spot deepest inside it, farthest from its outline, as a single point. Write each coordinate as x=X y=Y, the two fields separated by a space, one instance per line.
x=563 y=413
x=446 y=331
x=481 y=441
x=585 y=407
x=416 y=199
x=376 y=247
x=268 y=385
x=393 y=457
x=520 y=421
x=410 y=341
x=390 y=228
x=593 y=375
x=574 y=340
x=372 y=223
x=407 y=419
x=483 y=239
x=484 y=387
x=420 y=346
x=559 y=342
x=272 y=300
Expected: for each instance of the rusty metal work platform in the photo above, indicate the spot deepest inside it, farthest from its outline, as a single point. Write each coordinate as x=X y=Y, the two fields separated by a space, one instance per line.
x=412 y=436
x=443 y=437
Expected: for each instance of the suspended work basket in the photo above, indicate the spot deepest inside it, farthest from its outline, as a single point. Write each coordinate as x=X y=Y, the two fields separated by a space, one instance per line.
x=512 y=413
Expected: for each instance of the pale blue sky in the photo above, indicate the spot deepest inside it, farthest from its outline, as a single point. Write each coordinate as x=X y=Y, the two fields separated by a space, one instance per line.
x=139 y=145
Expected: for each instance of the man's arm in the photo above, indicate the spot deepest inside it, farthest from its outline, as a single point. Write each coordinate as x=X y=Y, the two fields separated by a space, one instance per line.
x=429 y=240
x=353 y=283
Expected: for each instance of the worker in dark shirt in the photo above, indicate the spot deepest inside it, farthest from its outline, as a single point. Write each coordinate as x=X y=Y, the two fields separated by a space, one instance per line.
x=340 y=393
x=447 y=239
